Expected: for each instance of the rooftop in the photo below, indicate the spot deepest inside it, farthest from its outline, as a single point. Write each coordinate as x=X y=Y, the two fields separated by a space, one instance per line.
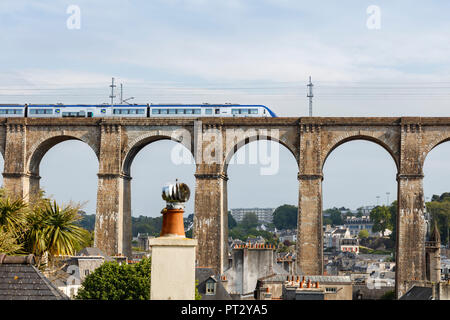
x=21 y=280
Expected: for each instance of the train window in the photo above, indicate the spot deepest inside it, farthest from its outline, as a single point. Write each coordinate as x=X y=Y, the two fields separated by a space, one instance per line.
x=208 y=111
x=140 y=111
x=254 y=111
x=2 y=111
x=116 y=111
x=48 y=111
x=155 y=111
x=180 y=111
x=197 y=111
x=234 y=111
x=172 y=111
x=164 y=111
x=132 y=111
x=217 y=111
x=189 y=111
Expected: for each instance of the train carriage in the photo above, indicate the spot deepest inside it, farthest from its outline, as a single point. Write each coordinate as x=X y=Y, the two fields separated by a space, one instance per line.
x=209 y=110
x=134 y=111
x=12 y=111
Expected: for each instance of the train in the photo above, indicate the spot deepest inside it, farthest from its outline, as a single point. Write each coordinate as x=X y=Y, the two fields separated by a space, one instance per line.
x=133 y=110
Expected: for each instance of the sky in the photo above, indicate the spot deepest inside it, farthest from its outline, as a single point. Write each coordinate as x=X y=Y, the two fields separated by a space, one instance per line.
x=393 y=61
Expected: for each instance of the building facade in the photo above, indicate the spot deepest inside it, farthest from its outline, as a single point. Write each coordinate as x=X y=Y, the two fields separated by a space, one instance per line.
x=265 y=215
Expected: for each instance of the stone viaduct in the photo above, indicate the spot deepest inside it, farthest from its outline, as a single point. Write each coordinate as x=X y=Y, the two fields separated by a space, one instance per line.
x=213 y=141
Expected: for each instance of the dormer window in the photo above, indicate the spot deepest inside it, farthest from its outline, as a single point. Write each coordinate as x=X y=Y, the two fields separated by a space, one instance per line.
x=210 y=287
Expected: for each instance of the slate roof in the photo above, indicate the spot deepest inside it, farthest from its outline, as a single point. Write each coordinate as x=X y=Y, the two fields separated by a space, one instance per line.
x=92 y=251
x=321 y=279
x=203 y=274
x=21 y=280
x=418 y=293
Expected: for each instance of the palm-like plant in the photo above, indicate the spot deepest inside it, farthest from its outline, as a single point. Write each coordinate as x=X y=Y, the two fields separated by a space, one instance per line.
x=61 y=232
x=13 y=215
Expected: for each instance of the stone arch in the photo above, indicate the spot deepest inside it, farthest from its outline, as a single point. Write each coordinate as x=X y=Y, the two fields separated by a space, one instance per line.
x=231 y=149
x=434 y=142
x=43 y=145
x=388 y=145
x=143 y=140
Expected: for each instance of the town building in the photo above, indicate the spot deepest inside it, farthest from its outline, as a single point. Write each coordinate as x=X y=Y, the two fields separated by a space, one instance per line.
x=248 y=263
x=265 y=215
x=299 y=287
x=355 y=225
x=20 y=279
x=211 y=286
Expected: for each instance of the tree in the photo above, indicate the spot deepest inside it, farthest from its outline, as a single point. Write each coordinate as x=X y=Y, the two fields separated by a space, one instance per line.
x=13 y=215
x=231 y=221
x=8 y=242
x=335 y=216
x=363 y=234
x=381 y=217
x=439 y=210
x=112 y=281
x=249 y=221
x=285 y=217
x=63 y=235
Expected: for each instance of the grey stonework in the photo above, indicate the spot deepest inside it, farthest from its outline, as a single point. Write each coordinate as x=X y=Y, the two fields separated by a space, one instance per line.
x=24 y=141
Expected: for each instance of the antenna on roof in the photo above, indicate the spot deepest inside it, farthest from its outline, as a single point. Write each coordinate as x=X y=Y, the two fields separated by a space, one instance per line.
x=112 y=96
x=310 y=95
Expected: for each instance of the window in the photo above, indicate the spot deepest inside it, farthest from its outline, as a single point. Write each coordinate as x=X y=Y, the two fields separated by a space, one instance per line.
x=217 y=111
x=156 y=111
x=197 y=111
x=210 y=287
x=132 y=111
x=172 y=111
x=180 y=111
x=208 y=111
x=234 y=111
x=331 y=290
x=189 y=111
x=86 y=272
x=164 y=111
x=140 y=111
x=254 y=111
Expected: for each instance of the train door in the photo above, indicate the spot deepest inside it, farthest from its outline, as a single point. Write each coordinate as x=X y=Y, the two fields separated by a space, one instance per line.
x=90 y=112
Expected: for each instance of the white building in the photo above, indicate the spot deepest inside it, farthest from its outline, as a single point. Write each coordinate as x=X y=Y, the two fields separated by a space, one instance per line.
x=263 y=214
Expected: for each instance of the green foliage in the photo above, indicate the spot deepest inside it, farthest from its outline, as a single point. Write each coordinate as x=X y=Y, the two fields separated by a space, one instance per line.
x=198 y=296
x=8 y=242
x=112 y=281
x=249 y=221
x=285 y=217
x=439 y=209
x=150 y=225
x=363 y=234
x=87 y=221
x=231 y=221
x=335 y=216
x=388 y=295
x=40 y=227
x=382 y=219
x=13 y=214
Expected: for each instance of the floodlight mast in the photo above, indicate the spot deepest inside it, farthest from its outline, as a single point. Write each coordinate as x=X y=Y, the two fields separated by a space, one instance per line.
x=310 y=95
